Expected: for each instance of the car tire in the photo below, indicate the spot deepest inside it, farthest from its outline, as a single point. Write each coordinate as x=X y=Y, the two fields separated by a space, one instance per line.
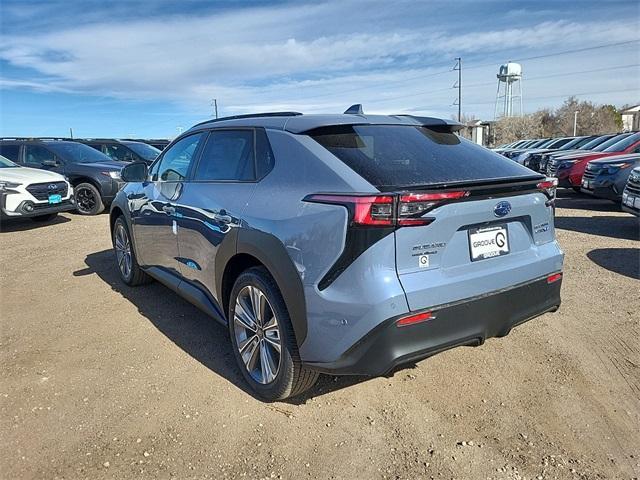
x=126 y=262
x=44 y=218
x=253 y=346
x=88 y=199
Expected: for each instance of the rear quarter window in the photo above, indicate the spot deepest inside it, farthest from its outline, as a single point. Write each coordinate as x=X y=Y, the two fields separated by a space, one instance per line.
x=395 y=156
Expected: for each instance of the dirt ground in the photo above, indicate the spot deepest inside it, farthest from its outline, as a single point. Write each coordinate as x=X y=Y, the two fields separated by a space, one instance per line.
x=103 y=381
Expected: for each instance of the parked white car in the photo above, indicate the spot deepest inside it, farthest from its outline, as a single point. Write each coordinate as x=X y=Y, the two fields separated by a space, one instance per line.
x=33 y=193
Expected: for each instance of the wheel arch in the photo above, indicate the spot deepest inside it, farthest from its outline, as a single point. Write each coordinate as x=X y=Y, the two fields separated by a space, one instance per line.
x=256 y=248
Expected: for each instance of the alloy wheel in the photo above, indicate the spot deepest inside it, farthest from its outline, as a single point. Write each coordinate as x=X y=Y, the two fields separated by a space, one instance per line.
x=257 y=334
x=123 y=250
x=85 y=200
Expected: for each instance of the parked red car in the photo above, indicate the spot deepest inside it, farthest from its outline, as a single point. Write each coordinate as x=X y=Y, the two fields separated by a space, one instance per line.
x=570 y=170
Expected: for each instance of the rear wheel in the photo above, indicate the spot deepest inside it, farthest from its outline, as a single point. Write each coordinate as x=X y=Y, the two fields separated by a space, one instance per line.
x=263 y=341
x=44 y=218
x=88 y=199
x=130 y=271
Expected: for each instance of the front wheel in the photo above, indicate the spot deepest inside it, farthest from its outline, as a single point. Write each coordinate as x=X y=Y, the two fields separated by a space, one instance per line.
x=263 y=341
x=88 y=199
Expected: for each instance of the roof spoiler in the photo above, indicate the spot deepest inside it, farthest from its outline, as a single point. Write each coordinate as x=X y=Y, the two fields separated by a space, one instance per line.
x=438 y=124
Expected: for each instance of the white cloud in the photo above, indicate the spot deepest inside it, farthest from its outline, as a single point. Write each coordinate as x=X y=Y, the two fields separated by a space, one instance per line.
x=306 y=57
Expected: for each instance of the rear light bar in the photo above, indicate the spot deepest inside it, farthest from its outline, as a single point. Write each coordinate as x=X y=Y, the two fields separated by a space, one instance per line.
x=403 y=210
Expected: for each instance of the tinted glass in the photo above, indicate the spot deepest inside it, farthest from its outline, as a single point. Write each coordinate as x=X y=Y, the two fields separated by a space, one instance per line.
x=10 y=151
x=77 y=152
x=145 y=151
x=118 y=152
x=612 y=141
x=390 y=156
x=36 y=155
x=265 y=159
x=624 y=143
x=6 y=163
x=174 y=165
x=595 y=142
x=227 y=155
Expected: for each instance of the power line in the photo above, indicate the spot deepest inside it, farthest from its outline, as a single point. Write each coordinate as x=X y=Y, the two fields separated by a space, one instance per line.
x=484 y=84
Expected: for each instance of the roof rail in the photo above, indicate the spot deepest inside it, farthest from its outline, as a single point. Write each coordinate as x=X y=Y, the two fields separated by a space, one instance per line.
x=250 y=115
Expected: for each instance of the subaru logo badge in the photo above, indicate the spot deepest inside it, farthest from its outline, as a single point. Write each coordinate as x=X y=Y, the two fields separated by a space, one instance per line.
x=52 y=186
x=501 y=209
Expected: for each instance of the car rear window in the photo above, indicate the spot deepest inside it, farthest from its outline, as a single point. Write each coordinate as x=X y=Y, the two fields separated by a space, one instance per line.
x=397 y=156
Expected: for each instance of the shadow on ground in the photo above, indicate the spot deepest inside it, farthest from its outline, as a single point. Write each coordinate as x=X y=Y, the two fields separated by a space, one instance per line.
x=567 y=198
x=625 y=261
x=197 y=334
x=22 y=224
x=624 y=227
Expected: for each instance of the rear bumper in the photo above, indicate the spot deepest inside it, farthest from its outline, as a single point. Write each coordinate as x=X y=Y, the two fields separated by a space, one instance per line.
x=468 y=322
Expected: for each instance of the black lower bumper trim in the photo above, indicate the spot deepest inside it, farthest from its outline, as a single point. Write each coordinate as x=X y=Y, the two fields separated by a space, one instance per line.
x=469 y=322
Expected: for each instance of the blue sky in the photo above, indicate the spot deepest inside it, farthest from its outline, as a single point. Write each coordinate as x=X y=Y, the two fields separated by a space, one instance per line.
x=149 y=68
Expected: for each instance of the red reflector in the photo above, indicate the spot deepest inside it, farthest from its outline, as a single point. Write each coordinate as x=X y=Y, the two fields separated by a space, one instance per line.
x=413 y=319
x=554 y=278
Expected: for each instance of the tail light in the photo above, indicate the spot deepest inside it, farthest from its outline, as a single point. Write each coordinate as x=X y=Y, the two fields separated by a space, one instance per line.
x=403 y=210
x=548 y=186
x=554 y=278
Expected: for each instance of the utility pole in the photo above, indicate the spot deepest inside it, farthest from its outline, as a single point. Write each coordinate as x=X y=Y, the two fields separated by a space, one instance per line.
x=458 y=85
x=214 y=104
x=71 y=132
x=575 y=122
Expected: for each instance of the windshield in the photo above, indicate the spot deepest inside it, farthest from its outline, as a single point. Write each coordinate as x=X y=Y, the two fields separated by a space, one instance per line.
x=545 y=142
x=623 y=144
x=145 y=151
x=6 y=163
x=394 y=156
x=612 y=141
x=77 y=152
x=595 y=142
x=575 y=143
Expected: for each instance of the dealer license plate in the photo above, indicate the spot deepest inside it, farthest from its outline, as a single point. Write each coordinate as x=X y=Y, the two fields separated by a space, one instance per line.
x=488 y=242
x=55 y=198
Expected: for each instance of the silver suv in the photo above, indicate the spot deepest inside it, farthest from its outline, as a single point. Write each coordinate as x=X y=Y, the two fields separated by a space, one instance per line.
x=342 y=244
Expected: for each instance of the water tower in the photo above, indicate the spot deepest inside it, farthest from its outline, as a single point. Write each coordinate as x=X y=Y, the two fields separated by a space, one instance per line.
x=509 y=90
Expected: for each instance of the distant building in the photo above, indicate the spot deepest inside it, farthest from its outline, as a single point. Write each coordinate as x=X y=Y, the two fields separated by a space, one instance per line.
x=631 y=119
x=478 y=131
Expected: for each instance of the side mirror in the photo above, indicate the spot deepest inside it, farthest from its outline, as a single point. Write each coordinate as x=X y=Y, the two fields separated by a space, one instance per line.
x=135 y=172
x=50 y=163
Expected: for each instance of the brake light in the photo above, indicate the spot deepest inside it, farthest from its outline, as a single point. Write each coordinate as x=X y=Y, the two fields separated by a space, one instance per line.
x=548 y=187
x=374 y=210
x=413 y=319
x=388 y=210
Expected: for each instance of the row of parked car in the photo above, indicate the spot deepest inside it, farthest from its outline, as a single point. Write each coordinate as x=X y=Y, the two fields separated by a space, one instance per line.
x=41 y=177
x=605 y=166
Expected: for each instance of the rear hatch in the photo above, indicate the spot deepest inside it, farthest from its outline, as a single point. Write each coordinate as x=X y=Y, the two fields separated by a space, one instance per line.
x=467 y=221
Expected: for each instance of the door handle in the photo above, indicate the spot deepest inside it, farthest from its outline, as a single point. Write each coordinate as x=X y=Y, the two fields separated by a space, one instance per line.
x=223 y=218
x=169 y=209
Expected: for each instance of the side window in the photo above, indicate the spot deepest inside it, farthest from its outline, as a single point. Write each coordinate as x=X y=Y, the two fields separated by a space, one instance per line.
x=118 y=152
x=227 y=155
x=10 y=151
x=36 y=155
x=174 y=165
x=264 y=155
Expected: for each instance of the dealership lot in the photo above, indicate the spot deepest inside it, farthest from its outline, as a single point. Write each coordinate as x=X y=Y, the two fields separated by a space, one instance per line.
x=104 y=381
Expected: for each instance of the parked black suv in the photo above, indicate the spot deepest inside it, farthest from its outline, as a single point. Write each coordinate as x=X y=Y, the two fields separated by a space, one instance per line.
x=159 y=143
x=123 y=150
x=94 y=176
